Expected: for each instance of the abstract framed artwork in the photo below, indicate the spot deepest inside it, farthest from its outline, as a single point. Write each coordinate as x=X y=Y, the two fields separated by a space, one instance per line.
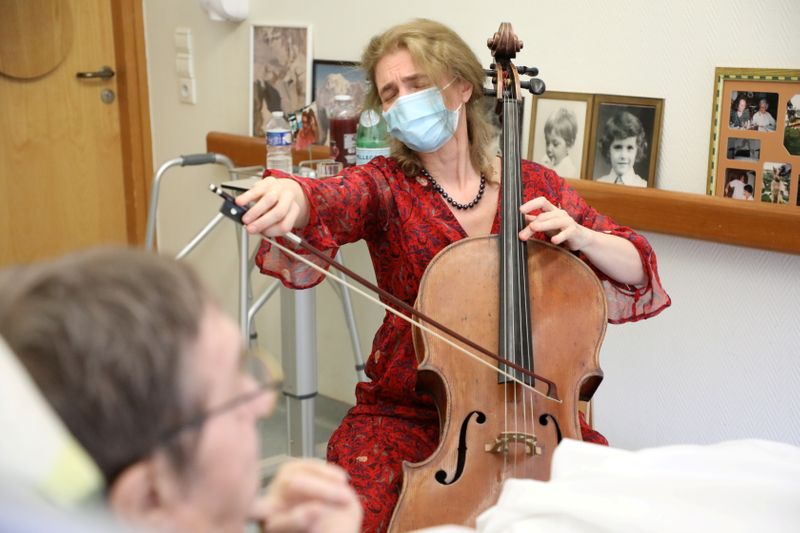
x=280 y=72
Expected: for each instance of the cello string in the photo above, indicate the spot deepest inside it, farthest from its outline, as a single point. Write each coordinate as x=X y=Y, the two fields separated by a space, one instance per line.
x=513 y=182
x=526 y=313
x=521 y=296
x=392 y=310
x=518 y=293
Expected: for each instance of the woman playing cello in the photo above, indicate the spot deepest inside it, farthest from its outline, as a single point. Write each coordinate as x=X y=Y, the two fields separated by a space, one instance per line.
x=440 y=185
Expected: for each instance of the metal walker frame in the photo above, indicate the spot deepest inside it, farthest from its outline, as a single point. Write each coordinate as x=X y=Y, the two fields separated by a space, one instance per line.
x=298 y=310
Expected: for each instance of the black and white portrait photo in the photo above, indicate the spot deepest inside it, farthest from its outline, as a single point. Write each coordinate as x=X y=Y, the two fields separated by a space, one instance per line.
x=625 y=140
x=281 y=72
x=559 y=132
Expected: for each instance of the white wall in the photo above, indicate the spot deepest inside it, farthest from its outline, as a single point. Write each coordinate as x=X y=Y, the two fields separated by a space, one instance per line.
x=720 y=363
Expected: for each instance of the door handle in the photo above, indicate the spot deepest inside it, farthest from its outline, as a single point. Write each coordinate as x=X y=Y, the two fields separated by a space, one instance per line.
x=105 y=73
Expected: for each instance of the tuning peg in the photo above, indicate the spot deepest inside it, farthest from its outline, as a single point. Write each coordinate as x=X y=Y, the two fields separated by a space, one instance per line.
x=530 y=71
x=534 y=85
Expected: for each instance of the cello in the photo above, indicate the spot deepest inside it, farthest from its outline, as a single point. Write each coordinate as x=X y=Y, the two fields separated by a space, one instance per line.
x=539 y=307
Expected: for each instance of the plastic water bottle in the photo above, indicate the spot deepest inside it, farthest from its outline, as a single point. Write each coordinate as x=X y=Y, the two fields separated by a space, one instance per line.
x=279 y=143
x=372 y=137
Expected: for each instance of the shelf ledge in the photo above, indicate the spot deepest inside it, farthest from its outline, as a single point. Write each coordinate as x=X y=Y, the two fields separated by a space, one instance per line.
x=696 y=216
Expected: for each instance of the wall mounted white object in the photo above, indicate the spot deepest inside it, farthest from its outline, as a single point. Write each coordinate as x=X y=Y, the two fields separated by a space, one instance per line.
x=231 y=10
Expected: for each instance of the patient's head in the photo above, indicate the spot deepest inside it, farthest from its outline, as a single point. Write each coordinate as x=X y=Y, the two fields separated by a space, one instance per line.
x=145 y=370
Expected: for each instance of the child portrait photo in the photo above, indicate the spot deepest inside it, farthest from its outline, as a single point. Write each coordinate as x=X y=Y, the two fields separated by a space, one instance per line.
x=559 y=131
x=625 y=139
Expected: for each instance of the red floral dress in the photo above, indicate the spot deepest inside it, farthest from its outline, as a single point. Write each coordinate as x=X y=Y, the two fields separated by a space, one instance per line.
x=405 y=223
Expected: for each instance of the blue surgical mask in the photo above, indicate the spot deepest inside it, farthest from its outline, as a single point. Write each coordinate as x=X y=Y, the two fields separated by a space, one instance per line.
x=421 y=120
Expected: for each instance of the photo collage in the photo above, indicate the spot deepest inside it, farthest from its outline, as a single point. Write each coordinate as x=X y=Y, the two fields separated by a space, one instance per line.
x=758 y=155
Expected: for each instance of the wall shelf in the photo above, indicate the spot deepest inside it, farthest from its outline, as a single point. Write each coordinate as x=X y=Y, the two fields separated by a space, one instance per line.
x=696 y=216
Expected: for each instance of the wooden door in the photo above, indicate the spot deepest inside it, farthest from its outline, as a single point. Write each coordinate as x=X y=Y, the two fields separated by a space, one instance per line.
x=65 y=180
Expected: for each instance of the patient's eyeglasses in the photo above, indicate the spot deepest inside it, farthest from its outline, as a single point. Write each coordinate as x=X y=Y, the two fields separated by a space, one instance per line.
x=260 y=368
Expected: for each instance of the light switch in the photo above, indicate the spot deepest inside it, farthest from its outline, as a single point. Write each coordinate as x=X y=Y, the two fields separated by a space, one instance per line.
x=187 y=93
x=184 y=66
x=183 y=40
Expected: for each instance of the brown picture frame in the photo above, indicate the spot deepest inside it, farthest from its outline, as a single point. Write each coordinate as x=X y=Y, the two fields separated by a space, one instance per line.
x=553 y=109
x=745 y=149
x=632 y=114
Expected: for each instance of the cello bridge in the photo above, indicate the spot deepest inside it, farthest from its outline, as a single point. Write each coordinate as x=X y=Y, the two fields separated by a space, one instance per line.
x=503 y=442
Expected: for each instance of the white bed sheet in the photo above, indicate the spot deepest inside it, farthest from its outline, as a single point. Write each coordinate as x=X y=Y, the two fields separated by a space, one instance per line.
x=734 y=486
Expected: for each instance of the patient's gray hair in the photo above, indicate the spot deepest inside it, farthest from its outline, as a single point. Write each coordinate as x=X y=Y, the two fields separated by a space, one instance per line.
x=107 y=336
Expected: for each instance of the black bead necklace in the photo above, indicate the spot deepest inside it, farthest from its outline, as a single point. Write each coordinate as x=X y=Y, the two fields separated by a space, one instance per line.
x=457 y=205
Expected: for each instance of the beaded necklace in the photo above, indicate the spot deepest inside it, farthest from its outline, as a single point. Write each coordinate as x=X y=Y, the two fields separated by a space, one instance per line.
x=438 y=188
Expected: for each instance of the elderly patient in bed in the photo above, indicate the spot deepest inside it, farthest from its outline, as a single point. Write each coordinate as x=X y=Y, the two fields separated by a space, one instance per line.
x=745 y=485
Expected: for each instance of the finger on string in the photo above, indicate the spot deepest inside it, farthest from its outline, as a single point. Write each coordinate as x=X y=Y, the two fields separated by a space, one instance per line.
x=560 y=237
x=542 y=223
x=526 y=233
x=554 y=224
x=550 y=215
x=540 y=202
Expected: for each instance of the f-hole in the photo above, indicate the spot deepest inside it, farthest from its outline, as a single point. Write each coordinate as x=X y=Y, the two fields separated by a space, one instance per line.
x=441 y=475
x=543 y=420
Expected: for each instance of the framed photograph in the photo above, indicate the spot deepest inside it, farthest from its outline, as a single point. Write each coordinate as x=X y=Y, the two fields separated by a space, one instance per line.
x=776 y=181
x=755 y=128
x=559 y=132
x=623 y=148
x=740 y=183
x=280 y=72
x=332 y=78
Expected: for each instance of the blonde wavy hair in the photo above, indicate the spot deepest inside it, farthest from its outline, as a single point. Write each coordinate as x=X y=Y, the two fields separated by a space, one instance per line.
x=439 y=52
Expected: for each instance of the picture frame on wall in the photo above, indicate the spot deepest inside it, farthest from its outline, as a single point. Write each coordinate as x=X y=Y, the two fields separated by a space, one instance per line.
x=755 y=129
x=559 y=132
x=332 y=77
x=280 y=71
x=626 y=131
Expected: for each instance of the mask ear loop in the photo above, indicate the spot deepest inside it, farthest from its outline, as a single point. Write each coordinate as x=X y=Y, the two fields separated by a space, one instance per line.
x=457 y=110
x=449 y=83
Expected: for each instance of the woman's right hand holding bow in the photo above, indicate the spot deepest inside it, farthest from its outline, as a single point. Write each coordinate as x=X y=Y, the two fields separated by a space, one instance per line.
x=278 y=206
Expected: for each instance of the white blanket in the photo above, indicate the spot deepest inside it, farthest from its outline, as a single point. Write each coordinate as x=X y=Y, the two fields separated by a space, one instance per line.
x=745 y=485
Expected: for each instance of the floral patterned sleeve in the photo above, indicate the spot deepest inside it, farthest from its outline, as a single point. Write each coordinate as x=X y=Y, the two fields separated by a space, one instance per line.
x=626 y=303
x=342 y=209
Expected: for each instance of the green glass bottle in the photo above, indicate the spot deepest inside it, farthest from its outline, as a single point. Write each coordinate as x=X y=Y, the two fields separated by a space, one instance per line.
x=372 y=138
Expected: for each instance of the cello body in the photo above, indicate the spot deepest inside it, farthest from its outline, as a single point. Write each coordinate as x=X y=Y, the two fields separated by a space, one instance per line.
x=490 y=431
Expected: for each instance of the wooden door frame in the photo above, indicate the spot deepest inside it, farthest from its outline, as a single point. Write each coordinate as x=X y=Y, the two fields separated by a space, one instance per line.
x=134 y=112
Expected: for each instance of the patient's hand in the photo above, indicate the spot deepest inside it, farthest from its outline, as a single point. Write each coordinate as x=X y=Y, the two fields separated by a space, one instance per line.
x=309 y=495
